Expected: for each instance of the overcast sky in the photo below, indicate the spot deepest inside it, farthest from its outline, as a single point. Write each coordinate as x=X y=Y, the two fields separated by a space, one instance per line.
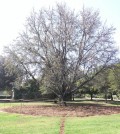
x=13 y=14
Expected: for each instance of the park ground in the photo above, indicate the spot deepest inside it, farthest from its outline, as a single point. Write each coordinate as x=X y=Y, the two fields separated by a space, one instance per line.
x=79 y=117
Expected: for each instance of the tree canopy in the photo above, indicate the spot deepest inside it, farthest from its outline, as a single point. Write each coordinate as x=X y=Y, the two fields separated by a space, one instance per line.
x=62 y=47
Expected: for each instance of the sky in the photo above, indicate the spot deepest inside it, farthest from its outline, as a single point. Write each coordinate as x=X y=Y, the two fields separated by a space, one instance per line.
x=13 y=14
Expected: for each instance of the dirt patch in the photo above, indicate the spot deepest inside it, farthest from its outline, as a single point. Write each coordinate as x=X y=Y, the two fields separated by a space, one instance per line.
x=80 y=111
x=62 y=125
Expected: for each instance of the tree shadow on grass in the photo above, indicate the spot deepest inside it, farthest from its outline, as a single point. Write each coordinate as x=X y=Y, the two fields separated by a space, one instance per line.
x=117 y=103
x=93 y=103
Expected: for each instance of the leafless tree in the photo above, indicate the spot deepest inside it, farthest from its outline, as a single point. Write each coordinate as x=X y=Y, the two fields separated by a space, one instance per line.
x=67 y=48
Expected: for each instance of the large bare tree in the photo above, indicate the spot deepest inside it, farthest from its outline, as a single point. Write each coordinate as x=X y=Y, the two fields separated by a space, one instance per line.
x=65 y=48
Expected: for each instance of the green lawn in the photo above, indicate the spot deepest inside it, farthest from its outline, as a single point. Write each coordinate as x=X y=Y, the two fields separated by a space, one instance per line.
x=93 y=125
x=20 y=124
x=78 y=102
x=23 y=124
x=9 y=104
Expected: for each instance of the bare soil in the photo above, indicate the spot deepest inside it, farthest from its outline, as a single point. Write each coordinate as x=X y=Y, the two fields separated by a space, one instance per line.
x=62 y=125
x=70 y=111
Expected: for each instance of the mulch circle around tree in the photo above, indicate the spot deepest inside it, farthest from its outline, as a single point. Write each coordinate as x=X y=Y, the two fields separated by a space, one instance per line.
x=70 y=111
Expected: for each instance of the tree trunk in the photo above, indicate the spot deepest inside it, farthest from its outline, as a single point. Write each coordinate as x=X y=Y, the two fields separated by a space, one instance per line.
x=13 y=94
x=72 y=97
x=106 y=98
x=62 y=101
x=91 y=95
x=111 y=96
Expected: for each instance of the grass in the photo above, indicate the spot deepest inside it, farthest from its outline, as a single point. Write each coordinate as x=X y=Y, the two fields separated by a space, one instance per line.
x=18 y=124
x=93 y=125
x=23 y=124
x=76 y=102
x=9 y=104
x=98 y=102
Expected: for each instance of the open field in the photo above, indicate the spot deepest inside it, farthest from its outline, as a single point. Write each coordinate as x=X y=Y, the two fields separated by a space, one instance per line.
x=10 y=104
x=19 y=124
x=109 y=124
x=12 y=123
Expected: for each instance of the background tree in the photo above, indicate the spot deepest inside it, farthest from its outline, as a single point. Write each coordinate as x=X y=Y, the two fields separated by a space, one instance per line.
x=114 y=79
x=107 y=82
x=91 y=88
x=9 y=75
x=104 y=84
x=63 y=47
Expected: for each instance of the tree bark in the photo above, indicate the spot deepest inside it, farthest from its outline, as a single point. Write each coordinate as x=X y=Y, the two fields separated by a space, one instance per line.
x=91 y=95
x=106 y=97
x=111 y=96
x=73 y=97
